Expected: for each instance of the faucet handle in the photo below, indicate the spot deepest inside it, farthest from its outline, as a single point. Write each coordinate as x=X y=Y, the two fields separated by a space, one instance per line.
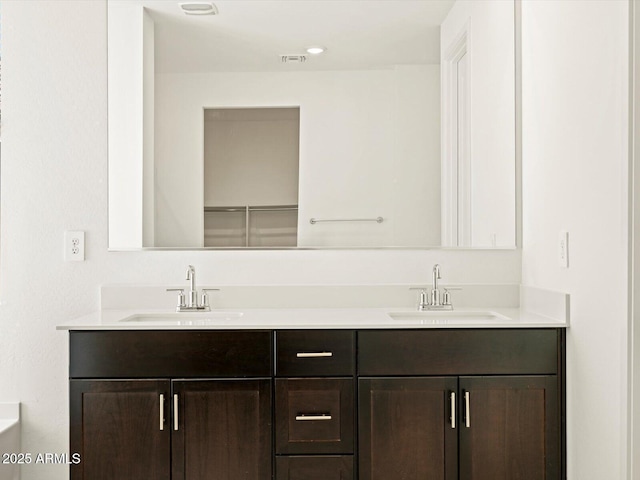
x=205 y=296
x=181 y=297
x=446 y=297
x=423 y=302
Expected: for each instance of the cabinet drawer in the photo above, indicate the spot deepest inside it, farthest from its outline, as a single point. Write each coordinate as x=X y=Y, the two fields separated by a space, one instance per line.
x=315 y=468
x=458 y=352
x=314 y=415
x=315 y=353
x=166 y=354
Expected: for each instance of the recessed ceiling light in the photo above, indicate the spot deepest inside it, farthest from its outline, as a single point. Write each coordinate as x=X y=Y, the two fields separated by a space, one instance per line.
x=199 y=8
x=316 y=50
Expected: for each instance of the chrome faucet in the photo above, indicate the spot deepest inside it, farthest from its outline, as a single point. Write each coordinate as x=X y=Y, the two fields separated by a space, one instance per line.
x=435 y=301
x=435 y=293
x=193 y=293
x=192 y=304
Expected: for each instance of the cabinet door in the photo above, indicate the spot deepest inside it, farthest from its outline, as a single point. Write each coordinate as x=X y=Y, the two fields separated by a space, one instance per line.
x=222 y=430
x=118 y=429
x=509 y=428
x=406 y=429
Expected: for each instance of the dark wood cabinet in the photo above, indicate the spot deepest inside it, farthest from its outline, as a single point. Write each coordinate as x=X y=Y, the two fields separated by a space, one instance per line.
x=184 y=428
x=406 y=430
x=514 y=351
x=441 y=404
x=510 y=428
x=180 y=430
x=500 y=428
x=311 y=353
x=119 y=429
x=170 y=353
x=329 y=467
x=314 y=415
x=497 y=415
x=222 y=430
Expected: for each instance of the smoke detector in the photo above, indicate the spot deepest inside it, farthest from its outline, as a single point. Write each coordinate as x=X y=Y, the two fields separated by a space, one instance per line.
x=297 y=58
x=199 y=8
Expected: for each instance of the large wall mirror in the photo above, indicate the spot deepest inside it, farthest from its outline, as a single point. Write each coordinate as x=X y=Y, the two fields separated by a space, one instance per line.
x=225 y=132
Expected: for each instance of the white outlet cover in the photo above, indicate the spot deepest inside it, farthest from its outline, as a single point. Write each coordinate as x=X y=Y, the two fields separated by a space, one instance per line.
x=563 y=249
x=73 y=246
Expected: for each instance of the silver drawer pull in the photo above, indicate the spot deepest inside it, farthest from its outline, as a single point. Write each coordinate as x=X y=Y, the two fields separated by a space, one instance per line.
x=161 y=411
x=175 y=412
x=314 y=354
x=467 y=403
x=305 y=418
x=452 y=397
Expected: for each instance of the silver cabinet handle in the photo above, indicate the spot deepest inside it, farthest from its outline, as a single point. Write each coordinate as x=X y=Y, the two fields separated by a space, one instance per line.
x=452 y=396
x=304 y=418
x=161 y=411
x=467 y=407
x=175 y=412
x=314 y=354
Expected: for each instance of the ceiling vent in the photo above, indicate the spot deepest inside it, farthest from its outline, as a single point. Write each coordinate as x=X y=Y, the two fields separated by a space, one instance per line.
x=293 y=58
x=199 y=8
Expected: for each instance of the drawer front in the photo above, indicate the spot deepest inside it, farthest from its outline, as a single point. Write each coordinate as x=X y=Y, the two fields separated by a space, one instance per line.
x=315 y=353
x=458 y=352
x=314 y=415
x=166 y=354
x=314 y=468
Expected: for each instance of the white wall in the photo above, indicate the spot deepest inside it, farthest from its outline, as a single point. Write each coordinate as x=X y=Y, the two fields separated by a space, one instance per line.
x=126 y=142
x=491 y=65
x=634 y=321
x=54 y=83
x=575 y=174
x=148 y=129
x=369 y=146
x=251 y=157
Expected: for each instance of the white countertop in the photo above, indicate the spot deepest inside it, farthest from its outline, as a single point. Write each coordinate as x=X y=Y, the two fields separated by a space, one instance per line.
x=7 y=424
x=311 y=318
x=9 y=416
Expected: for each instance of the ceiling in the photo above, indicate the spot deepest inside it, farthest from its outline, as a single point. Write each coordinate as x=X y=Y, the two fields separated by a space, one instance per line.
x=250 y=35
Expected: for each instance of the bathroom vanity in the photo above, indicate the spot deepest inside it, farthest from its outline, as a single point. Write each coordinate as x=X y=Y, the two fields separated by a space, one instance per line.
x=339 y=402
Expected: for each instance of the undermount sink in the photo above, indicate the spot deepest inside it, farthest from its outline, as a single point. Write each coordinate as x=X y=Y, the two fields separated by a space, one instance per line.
x=448 y=316
x=185 y=318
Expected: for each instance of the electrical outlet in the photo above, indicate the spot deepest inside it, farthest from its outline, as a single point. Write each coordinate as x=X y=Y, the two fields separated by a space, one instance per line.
x=563 y=249
x=73 y=246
